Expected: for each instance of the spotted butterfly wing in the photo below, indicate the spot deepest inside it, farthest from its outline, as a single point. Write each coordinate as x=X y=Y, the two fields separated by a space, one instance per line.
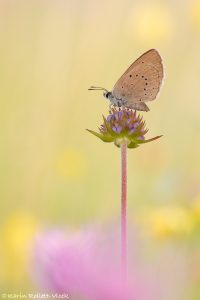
x=141 y=82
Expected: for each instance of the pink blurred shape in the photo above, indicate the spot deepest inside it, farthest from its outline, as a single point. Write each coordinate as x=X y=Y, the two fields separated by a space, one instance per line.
x=86 y=265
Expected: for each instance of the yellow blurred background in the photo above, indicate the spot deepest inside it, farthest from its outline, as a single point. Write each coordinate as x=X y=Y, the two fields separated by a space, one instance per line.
x=52 y=170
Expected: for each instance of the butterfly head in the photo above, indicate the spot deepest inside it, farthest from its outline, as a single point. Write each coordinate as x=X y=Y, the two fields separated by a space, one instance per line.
x=108 y=95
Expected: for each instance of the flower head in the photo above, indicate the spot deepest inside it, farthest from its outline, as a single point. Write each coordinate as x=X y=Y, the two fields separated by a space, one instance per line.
x=123 y=124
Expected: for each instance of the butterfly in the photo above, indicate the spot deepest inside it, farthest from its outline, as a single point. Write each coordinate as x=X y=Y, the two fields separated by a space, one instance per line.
x=139 y=84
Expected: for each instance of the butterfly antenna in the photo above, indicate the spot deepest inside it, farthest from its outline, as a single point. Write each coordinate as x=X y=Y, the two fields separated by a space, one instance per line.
x=97 y=88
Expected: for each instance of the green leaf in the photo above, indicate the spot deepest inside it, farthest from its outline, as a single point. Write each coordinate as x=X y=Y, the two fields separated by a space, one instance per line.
x=138 y=131
x=150 y=140
x=104 y=137
x=132 y=145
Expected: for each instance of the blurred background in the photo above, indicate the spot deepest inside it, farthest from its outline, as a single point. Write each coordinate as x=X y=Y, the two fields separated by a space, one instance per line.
x=53 y=172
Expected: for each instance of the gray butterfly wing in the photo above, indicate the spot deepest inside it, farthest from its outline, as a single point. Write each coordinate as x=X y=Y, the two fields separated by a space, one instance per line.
x=141 y=81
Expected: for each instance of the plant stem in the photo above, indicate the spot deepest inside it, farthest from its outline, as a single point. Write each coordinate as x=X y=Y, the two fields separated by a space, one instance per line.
x=124 y=208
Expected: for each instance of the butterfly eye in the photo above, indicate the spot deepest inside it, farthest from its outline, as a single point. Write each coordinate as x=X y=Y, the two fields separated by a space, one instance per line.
x=106 y=94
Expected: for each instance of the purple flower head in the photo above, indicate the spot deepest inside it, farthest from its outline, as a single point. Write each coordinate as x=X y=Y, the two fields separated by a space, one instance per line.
x=123 y=124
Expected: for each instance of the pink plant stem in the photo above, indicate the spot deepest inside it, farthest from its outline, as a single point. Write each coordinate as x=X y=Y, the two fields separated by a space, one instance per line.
x=124 y=209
